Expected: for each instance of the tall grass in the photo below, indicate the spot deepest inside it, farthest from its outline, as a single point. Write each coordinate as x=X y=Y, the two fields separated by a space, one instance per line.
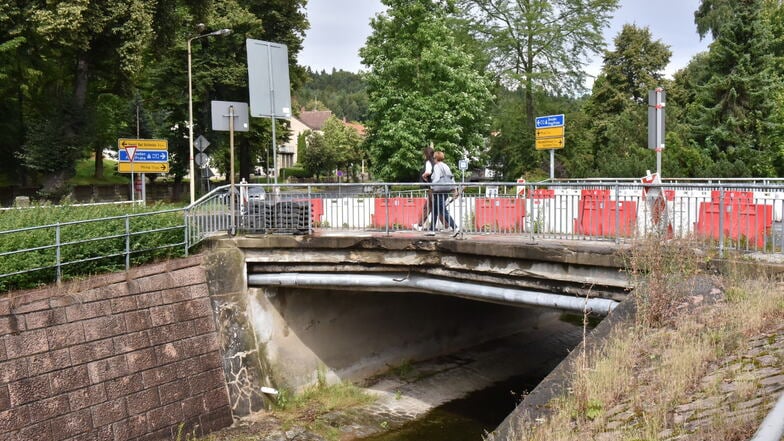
x=630 y=387
x=95 y=245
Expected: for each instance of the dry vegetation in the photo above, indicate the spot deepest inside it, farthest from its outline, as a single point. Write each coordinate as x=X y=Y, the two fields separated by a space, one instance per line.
x=636 y=385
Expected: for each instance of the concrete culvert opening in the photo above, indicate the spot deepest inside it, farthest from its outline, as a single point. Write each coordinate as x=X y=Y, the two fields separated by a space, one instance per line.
x=414 y=351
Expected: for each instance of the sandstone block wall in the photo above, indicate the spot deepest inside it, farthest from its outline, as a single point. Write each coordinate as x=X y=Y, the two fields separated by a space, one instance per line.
x=125 y=356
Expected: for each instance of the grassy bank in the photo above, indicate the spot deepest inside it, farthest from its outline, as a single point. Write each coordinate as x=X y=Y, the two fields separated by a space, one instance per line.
x=685 y=369
x=85 y=248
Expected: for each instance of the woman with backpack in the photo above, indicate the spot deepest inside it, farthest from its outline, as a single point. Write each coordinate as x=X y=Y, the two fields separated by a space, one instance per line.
x=443 y=184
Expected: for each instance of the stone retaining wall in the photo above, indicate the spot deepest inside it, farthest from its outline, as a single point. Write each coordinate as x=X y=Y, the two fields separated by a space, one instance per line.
x=125 y=356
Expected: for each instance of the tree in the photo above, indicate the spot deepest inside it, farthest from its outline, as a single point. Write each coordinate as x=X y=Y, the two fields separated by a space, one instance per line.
x=422 y=88
x=343 y=143
x=344 y=93
x=106 y=42
x=539 y=44
x=733 y=114
x=317 y=159
x=619 y=103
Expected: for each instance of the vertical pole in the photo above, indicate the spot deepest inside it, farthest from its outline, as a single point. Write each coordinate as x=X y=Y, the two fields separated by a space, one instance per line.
x=721 y=221
x=659 y=129
x=618 y=206
x=310 y=211
x=187 y=229
x=133 y=185
x=272 y=112
x=127 y=243
x=386 y=211
x=58 y=257
x=232 y=192
x=191 y=173
x=552 y=163
x=144 y=184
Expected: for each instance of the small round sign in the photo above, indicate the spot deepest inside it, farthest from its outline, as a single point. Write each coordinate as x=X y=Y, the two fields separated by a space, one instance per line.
x=201 y=159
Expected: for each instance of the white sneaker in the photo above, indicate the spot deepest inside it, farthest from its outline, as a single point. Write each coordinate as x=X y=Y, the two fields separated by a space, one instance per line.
x=430 y=233
x=416 y=227
x=457 y=231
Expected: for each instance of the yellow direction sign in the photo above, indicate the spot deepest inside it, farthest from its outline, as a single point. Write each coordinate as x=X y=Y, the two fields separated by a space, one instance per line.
x=549 y=143
x=143 y=167
x=550 y=132
x=144 y=144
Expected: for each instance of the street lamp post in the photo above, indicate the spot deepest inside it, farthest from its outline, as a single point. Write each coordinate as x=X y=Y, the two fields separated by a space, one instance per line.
x=191 y=172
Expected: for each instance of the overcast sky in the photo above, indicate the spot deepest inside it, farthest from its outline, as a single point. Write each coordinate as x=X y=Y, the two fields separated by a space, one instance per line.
x=338 y=28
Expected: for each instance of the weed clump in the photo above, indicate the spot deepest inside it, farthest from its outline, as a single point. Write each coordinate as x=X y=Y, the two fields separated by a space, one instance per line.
x=663 y=274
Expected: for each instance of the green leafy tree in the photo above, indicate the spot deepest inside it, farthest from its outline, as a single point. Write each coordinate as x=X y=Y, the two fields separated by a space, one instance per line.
x=539 y=44
x=344 y=93
x=344 y=143
x=422 y=88
x=318 y=158
x=619 y=102
x=105 y=42
x=733 y=114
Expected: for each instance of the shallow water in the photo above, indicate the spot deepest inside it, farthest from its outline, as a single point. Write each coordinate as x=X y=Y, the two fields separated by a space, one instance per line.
x=471 y=417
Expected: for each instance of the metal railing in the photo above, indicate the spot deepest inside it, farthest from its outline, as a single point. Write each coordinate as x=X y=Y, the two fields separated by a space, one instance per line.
x=33 y=255
x=741 y=216
x=744 y=216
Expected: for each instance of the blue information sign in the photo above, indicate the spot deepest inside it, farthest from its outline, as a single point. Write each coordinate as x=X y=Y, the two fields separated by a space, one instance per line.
x=550 y=121
x=146 y=156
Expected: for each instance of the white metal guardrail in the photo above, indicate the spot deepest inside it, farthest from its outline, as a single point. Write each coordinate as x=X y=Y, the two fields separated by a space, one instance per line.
x=744 y=216
x=741 y=216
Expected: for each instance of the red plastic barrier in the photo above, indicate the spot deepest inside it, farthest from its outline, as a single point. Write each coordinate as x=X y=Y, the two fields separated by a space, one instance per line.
x=316 y=210
x=741 y=219
x=403 y=212
x=499 y=214
x=597 y=215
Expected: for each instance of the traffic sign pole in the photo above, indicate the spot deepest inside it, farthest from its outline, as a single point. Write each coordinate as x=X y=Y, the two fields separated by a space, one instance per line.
x=233 y=227
x=130 y=151
x=550 y=134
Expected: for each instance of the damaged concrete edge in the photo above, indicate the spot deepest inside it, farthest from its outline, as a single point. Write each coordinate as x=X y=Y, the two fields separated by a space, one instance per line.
x=244 y=361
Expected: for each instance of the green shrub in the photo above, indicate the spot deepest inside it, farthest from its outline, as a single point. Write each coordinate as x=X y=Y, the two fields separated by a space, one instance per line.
x=92 y=240
x=294 y=172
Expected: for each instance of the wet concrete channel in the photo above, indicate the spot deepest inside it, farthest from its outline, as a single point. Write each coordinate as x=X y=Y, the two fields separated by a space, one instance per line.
x=466 y=395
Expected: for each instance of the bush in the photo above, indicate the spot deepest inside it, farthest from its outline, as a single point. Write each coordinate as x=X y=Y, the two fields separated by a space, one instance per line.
x=294 y=172
x=94 y=246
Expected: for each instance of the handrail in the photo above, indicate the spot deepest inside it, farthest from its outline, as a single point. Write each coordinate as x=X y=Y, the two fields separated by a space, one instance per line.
x=564 y=210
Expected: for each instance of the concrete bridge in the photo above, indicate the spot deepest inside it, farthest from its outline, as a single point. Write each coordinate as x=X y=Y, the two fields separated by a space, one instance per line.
x=293 y=308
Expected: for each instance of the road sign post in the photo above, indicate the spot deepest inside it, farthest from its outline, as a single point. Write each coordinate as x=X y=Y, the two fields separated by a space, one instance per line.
x=550 y=135
x=130 y=152
x=142 y=156
x=149 y=155
x=656 y=104
x=268 y=85
x=236 y=112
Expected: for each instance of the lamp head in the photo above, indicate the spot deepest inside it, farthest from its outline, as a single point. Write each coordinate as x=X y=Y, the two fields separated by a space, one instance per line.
x=221 y=33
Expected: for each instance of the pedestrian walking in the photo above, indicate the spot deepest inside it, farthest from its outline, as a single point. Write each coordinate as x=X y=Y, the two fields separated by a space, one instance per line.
x=443 y=184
